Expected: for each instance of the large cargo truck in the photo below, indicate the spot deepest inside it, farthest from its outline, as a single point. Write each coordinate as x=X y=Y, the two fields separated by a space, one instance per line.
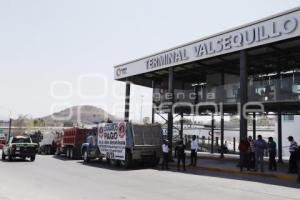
x=48 y=144
x=71 y=140
x=124 y=144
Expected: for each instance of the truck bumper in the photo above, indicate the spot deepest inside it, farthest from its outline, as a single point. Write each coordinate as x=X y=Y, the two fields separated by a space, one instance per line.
x=93 y=154
x=22 y=154
x=146 y=153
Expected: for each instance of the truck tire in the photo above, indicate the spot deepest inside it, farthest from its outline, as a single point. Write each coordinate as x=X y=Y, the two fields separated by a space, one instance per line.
x=107 y=161
x=57 y=152
x=32 y=158
x=71 y=153
x=114 y=163
x=68 y=153
x=100 y=159
x=85 y=156
x=127 y=163
x=155 y=162
x=3 y=156
x=10 y=158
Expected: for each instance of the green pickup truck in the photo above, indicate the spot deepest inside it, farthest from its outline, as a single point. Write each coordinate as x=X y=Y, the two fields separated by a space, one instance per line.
x=21 y=147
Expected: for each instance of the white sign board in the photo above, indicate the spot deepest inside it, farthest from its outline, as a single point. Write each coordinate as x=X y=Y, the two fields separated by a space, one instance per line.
x=266 y=31
x=112 y=140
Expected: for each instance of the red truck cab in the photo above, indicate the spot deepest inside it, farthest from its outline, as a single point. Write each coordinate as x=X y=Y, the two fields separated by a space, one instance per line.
x=72 y=140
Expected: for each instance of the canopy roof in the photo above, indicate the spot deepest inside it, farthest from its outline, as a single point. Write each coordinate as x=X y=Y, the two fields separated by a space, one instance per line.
x=266 y=40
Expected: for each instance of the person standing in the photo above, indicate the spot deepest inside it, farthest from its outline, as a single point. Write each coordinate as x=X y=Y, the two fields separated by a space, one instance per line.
x=260 y=146
x=293 y=155
x=165 y=150
x=272 y=154
x=298 y=159
x=194 y=149
x=244 y=154
x=180 y=152
x=251 y=153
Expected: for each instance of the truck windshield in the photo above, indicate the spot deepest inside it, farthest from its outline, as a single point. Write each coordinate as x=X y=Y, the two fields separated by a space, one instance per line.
x=21 y=140
x=91 y=140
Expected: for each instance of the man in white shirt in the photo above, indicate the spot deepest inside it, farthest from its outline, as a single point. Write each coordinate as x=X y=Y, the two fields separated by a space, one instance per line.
x=194 y=149
x=293 y=158
x=165 y=150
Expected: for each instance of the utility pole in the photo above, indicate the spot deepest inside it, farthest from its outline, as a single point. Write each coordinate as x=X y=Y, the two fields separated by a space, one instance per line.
x=9 y=129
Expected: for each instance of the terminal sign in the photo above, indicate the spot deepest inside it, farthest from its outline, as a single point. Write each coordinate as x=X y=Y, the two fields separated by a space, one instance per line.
x=245 y=37
x=167 y=59
x=275 y=29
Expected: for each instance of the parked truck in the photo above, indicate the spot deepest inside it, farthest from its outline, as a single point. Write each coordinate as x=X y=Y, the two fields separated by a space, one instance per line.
x=124 y=144
x=70 y=141
x=48 y=144
x=21 y=147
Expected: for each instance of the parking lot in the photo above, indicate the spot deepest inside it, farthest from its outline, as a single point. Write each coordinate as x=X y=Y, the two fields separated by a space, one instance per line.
x=51 y=178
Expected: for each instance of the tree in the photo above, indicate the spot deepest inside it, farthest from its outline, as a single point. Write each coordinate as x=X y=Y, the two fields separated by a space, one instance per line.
x=20 y=124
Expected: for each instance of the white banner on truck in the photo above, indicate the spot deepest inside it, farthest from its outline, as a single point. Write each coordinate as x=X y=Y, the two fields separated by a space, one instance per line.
x=112 y=140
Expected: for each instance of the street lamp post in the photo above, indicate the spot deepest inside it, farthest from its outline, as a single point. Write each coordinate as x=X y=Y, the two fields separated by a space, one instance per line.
x=9 y=129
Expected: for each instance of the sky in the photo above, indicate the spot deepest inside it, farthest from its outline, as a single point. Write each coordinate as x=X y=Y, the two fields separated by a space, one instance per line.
x=60 y=53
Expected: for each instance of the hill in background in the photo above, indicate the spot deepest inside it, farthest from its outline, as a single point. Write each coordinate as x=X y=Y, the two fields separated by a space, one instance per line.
x=76 y=115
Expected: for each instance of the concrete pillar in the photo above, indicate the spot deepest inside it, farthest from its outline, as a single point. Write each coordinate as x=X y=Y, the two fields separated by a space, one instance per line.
x=171 y=101
x=197 y=94
x=243 y=93
x=222 y=134
x=234 y=145
x=254 y=126
x=153 y=105
x=127 y=101
x=181 y=125
x=279 y=122
x=212 y=133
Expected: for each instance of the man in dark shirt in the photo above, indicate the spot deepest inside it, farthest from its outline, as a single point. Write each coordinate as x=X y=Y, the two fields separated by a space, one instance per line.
x=244 y=154
x=298 y=159
x=180 y=152
x=272 y=154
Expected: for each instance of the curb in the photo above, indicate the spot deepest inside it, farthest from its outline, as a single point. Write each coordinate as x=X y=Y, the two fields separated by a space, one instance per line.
x=225 y=158
x=285 y=177
x=216 y=158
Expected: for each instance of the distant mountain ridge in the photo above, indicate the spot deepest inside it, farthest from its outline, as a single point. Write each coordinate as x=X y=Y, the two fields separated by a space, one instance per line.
x=84 y=114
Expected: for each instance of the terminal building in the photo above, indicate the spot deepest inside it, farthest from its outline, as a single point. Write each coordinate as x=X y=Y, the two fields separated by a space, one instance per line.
x=250 y=70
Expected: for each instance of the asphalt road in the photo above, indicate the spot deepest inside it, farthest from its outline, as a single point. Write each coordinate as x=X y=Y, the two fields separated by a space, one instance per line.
x=49 y=178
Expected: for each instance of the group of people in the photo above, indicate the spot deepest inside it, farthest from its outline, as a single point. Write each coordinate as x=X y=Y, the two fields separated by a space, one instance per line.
x=180 y=153
x=252 y=154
